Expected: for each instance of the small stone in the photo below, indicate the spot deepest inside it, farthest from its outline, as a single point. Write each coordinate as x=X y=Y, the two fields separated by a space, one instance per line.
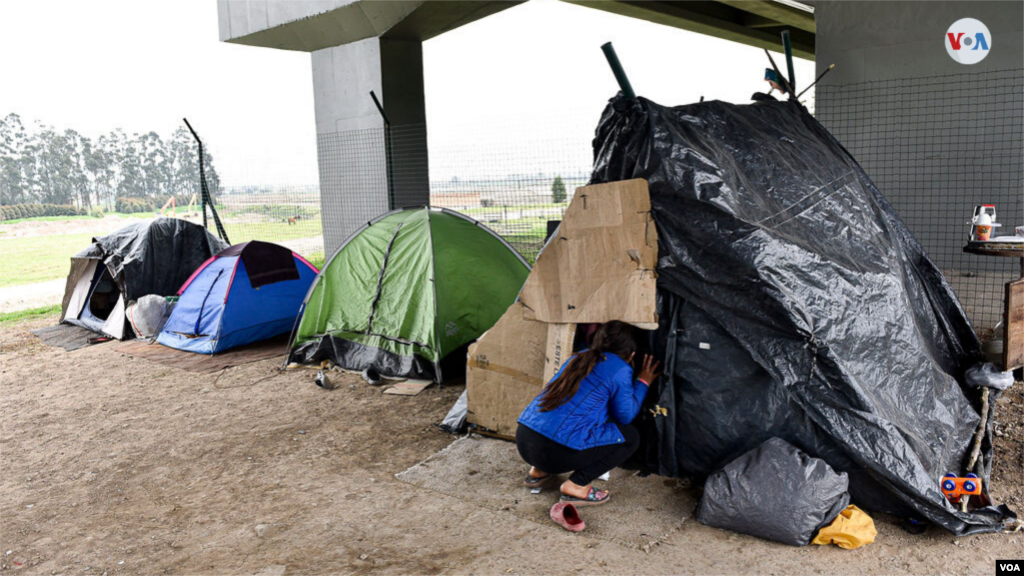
x=121 y=562
x=302 y=431
x=204 y=390
x=363 y=556
x=30 y=506
x=267 y=530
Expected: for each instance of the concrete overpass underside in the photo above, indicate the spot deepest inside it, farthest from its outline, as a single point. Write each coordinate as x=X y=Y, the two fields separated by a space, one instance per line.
x=363 y=45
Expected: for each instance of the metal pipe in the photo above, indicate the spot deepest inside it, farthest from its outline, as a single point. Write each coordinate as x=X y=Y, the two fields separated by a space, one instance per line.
x=204 y=195
x=387 y=151
x=620 y=74
x=202 y=175
x=380 y=109
x=816 y=80
x=788 y=47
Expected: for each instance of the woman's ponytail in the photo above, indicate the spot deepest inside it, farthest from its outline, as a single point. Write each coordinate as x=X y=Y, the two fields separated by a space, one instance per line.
x=614 y=337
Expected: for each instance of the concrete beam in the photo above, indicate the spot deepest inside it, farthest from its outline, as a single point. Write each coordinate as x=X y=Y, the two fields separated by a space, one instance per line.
x=780 y=13
x=435 y=17
x=712 y=18
x=308 y=26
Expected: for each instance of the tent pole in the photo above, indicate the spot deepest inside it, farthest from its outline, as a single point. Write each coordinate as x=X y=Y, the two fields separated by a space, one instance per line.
x=620 y=74
x=788 y=47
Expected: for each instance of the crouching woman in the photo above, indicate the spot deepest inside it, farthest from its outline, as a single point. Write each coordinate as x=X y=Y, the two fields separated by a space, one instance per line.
x=580 y=423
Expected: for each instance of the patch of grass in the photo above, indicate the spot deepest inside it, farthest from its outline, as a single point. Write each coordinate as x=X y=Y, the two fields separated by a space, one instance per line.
x=64 y=218
x=30 y=314
x=271 y=231
x=317 y=259
x=38 y=258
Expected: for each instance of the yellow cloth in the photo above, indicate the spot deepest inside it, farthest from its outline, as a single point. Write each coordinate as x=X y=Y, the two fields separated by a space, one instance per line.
x=853 y=528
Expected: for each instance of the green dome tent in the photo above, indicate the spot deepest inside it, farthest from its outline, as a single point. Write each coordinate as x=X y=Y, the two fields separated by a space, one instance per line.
x=406 y=290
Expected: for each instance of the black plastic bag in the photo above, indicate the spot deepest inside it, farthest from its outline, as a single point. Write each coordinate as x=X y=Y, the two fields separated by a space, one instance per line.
x=775 y=492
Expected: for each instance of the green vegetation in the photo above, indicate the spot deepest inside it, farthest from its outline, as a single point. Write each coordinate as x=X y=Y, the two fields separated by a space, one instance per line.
x=38 y=258
x=558 y=190
x=40 y=164
x=317 y=259
x=30 y=314
x=240 y=232
x=276 y=211
x=19 y=211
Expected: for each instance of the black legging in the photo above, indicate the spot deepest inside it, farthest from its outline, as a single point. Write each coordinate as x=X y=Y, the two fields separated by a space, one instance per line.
x=551 y=457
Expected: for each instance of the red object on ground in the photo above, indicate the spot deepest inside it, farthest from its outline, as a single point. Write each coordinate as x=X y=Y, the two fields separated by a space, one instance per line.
x=566 y=516
x=954 y=486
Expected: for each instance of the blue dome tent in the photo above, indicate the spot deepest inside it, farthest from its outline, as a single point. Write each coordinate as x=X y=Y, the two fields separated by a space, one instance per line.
x=246 y=293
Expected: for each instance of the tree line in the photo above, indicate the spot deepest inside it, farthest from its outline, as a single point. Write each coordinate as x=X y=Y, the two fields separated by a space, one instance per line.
x=43 y=165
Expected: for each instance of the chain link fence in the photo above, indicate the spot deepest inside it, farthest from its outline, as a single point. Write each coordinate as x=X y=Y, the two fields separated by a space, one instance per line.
x=514 y=189
x=937 y=147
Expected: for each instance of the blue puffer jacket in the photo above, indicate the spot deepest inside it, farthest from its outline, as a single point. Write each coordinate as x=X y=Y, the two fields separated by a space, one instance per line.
x=606 y=396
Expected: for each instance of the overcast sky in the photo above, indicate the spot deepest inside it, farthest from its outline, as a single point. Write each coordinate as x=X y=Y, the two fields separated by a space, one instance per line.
x=533 y=73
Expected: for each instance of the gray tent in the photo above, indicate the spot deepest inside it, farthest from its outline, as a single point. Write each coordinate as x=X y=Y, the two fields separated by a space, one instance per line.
x=115 y=270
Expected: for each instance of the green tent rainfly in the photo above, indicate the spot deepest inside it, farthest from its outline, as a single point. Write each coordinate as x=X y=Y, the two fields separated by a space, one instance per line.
x=406 y=290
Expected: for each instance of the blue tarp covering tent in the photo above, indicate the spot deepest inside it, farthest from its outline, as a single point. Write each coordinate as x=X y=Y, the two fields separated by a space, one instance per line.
x=246 y=293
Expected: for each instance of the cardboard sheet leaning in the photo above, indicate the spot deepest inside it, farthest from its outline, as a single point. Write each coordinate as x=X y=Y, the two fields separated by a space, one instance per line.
x=599 y=266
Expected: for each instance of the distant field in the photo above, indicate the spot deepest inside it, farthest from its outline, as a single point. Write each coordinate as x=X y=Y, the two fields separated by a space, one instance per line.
x=38 y=258
x=46 y=255
x=39 y=249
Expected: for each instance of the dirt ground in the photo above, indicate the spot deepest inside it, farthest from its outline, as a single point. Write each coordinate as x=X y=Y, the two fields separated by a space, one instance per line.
x=118 y=466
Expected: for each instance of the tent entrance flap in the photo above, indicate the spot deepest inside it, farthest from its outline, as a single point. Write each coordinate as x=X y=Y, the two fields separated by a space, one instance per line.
x=105 y=294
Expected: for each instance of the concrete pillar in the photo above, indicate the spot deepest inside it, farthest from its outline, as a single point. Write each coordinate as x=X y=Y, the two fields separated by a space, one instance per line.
x=351 y=138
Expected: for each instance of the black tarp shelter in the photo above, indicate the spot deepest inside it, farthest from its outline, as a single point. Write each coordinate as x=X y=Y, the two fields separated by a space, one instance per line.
x=794 y=303
x=144 y=258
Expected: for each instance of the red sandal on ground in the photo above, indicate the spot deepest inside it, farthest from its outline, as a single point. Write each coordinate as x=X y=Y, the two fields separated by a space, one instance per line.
x=566 y=516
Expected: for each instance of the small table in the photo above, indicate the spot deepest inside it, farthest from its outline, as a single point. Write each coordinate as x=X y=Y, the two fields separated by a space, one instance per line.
x=1006 y=249
x=1013 y=316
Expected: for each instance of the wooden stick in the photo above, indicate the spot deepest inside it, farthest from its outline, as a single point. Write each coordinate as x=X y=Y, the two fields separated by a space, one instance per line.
x=978 y=435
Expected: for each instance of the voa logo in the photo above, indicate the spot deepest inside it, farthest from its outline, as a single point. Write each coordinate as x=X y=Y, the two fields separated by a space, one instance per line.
x=968 y=41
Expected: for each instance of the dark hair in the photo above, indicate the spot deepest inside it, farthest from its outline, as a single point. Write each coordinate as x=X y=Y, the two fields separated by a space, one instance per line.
x=613 y=337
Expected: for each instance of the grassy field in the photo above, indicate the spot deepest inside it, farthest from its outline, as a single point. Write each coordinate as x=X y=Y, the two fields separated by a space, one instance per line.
x=28 y=260
x=271 y=231
x=38 y=258
x=30 y=314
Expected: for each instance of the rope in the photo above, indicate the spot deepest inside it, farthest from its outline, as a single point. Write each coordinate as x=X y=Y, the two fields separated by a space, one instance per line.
x=277 y=372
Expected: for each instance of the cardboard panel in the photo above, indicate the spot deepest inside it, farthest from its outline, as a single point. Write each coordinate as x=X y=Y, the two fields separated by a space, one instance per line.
x=505 y=371
x=600 y=265
x=1013 y=337
x=558 y=349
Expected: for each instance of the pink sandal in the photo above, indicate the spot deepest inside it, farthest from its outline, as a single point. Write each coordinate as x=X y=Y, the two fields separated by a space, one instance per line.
x=566 y=516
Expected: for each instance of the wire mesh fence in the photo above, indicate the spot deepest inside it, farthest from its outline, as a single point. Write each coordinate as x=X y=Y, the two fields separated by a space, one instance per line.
x=513 y=188
x=936 y=147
